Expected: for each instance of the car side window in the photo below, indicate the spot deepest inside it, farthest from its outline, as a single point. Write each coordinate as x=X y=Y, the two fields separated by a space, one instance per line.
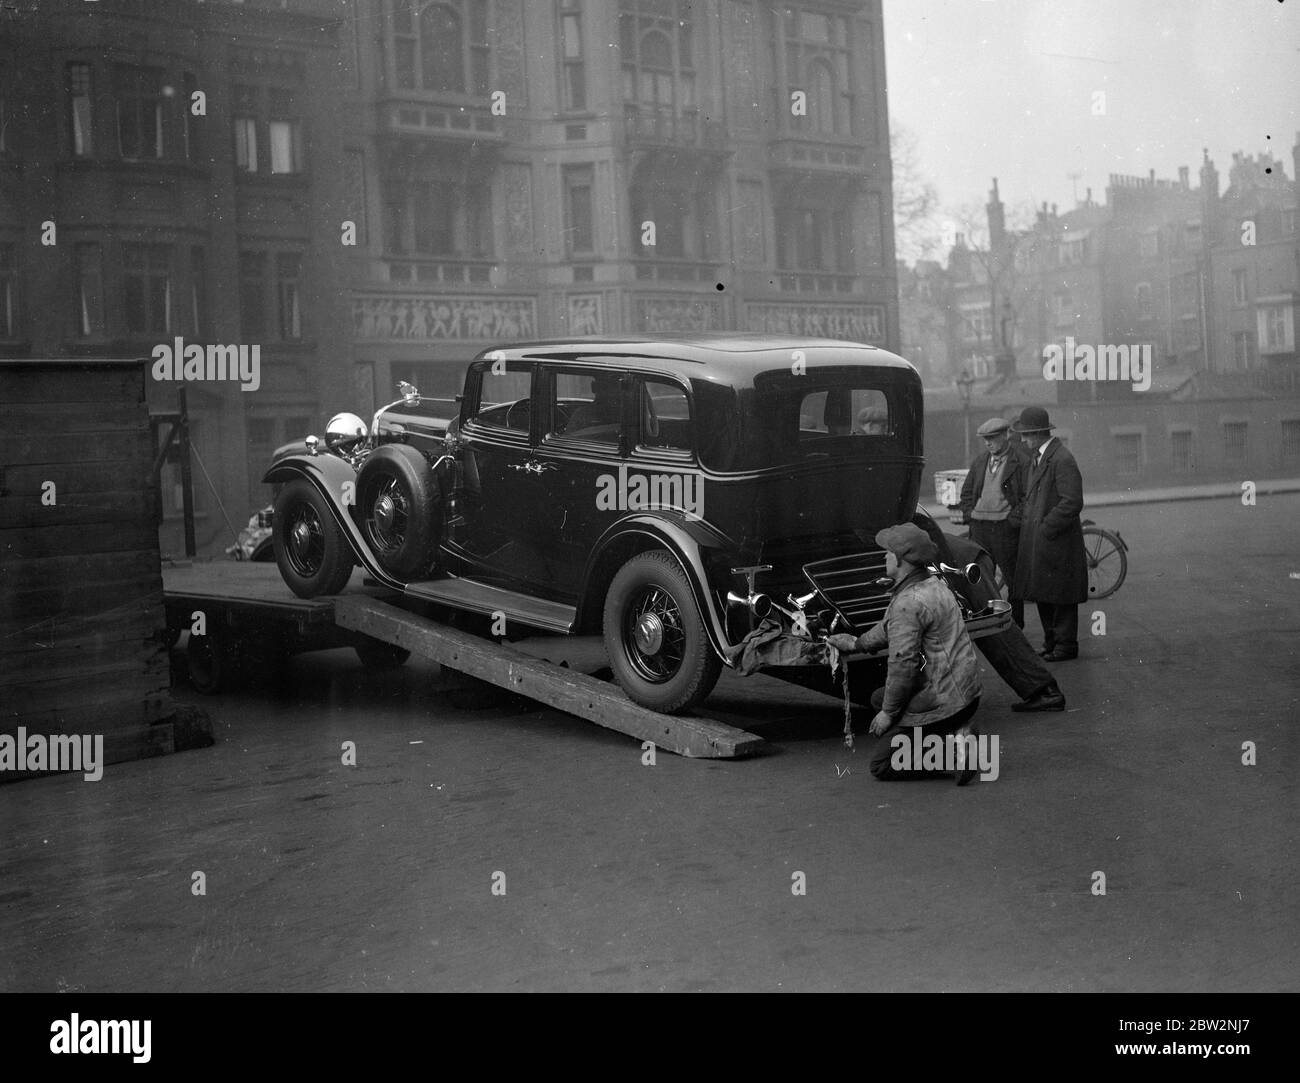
x=504 y=400
x=587 y=406
x=664 y=415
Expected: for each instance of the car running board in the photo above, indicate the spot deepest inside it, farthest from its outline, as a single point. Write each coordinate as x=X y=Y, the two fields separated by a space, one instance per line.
x=475 y=597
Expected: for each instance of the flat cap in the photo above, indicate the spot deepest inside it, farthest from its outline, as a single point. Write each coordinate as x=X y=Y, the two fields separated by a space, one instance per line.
x=908 y=542
x=993 y=426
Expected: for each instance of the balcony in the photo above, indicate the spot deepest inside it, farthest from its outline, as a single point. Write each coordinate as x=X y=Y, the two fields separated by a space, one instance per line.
x=803 y=160
x=817 y=282
x=415 y=271
x=665 y=270
x=443 y=121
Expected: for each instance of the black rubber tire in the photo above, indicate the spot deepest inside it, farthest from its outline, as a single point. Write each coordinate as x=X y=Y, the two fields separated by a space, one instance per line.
x=377 y=655
x=399 y=508
x=208 y=658
x=682 y=670
x=310 y=549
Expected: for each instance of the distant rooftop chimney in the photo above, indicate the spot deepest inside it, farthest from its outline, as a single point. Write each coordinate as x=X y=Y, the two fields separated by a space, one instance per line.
x=1182 y=176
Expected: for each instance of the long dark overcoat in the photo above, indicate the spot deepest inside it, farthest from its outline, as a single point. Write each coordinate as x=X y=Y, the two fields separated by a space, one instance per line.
x=1051 y=565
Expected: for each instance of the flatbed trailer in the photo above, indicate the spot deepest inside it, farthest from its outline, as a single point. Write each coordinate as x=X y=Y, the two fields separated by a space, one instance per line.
x=244 y=610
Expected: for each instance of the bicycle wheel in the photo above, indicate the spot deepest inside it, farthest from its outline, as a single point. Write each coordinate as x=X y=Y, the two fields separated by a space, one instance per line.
x=1107 y=561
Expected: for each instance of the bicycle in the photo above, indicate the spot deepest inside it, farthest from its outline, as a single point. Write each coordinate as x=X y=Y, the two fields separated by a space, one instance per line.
x=1107 y=555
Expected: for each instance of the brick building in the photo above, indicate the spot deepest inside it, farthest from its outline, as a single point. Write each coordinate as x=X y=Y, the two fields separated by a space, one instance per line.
x=166 y=170
x=1159 y=264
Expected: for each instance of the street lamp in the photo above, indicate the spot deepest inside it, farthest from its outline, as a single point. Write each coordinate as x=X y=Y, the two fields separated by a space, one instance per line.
x=964 y=384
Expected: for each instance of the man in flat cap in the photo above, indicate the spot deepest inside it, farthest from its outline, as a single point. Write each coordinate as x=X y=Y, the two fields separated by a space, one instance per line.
x=1051 y=565
x=933 y=679
x=991 y=500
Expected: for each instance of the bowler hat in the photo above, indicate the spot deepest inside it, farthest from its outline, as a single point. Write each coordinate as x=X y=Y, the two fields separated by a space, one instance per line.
x=908 y=542
x=1033 y=419
x=993 y=426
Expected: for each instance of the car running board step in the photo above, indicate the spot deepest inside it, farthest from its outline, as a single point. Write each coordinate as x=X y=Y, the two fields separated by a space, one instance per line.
x=468 y=594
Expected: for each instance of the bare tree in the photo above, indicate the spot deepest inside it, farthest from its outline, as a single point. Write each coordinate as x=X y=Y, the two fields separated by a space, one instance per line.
x=917 y=233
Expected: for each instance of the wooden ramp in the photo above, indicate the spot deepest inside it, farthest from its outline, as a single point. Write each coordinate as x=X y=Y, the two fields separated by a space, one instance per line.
x=563 y=689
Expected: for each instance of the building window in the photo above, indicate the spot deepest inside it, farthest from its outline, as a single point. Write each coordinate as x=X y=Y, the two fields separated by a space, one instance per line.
x=147 y=288
x=246 y=144
x=1071 y=253
x=976 y=323
x=1239 y=286
x=80 y=115
x=198 y=291
x=814 y=239
x=252 y=295
x=139 y=113
x=1241 y=351
x=658 y=54
x=441 y=46
x=575 y=74
x=8 y=291
x=285 y=132
x=1290 y=441
x=190 y=129
x=578 y=233
x=89 y=314
x=1234 y=441
x=1288 y=220
x=1275 y=324
x=1128 y=453
x=439 y=219
x=818 y=53
x=1180 y=444
x=288 y=268
x=1149 y=245
x=1143 y=297
x=1063 y=309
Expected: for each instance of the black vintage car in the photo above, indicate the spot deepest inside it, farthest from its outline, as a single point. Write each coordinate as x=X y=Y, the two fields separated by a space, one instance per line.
x=670 y=493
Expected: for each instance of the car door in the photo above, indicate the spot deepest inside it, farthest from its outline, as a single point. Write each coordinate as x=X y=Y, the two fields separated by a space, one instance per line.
x=507 y=518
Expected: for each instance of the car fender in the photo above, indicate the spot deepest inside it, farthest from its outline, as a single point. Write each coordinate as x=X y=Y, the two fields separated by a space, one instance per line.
x=687 y=541
x=336 y=481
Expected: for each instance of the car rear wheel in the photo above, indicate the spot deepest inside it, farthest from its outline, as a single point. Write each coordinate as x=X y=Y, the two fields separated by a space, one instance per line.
x=655 y=637
x=400 y=507
x=313 y=555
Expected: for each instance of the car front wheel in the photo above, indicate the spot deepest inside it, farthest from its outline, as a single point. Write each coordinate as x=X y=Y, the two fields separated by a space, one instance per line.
x=313 y=555
x=655 y=637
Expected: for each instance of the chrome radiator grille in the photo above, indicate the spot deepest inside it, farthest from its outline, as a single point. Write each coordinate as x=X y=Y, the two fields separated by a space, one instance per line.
x=847 y=584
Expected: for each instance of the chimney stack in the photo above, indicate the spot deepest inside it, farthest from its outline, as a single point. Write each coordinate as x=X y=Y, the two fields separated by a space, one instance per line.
x=1182 y=176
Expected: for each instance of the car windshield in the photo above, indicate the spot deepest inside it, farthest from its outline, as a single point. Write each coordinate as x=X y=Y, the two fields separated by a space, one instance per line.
x=785 y=419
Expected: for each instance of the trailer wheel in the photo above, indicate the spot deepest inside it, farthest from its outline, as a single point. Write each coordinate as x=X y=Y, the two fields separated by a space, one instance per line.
x=400 y=507
x=209 y=660
x=313 y=555
x=376 y=654
x=655 y=637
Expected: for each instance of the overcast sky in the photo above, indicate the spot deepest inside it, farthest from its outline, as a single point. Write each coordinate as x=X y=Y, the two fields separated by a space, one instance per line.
x=1004 y=88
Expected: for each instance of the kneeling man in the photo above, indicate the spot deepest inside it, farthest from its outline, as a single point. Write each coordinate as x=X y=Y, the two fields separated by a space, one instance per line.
x=933 y=678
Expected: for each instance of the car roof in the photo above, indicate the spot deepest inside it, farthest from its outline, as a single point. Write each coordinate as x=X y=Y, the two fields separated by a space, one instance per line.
x=721 y=356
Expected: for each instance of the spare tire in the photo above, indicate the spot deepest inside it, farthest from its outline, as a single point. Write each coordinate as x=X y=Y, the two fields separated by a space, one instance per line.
x=399 y=508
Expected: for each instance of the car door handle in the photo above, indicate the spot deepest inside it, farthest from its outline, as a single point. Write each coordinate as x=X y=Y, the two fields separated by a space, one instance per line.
x=532 y=466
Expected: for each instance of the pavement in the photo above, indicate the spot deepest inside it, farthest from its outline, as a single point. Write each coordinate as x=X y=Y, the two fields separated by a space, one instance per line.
x=484 y=843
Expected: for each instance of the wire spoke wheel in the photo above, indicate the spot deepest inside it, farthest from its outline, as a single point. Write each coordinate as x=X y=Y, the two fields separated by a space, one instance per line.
x=306 y=541
x=390 y=516
x=1107 y=561
x=655 y=637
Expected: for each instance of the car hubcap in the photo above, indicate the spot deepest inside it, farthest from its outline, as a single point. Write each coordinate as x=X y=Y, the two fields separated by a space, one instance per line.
x=649 y=633
x=388 y=516
x=306 y=542
x=655 y=635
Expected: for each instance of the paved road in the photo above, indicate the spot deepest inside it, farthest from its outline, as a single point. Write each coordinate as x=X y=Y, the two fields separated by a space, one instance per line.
x=620 y=876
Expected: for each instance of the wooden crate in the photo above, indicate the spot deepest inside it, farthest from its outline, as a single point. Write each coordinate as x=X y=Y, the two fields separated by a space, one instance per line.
x=81 y=607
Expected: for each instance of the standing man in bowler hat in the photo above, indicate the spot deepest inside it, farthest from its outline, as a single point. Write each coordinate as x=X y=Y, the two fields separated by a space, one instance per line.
x=1051 y=566
x=991 y=499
